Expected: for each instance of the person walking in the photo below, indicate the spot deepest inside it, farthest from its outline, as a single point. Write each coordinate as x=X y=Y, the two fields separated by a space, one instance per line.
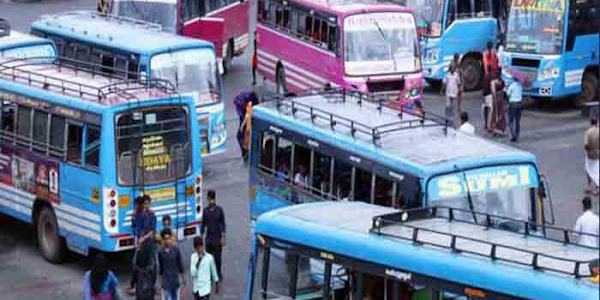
x=144 y=227
x=487 y=106
x=499 y=122
x=213 y=229
x=241 y=103
x=456 y=62
x=99 y=283
x=254 y=60
x=515 y=97
x=203 y=271
x=588 y=224
x=451 y=87
x=170 y=267
x=491 y=63
x=144 y=273
x=591 y=144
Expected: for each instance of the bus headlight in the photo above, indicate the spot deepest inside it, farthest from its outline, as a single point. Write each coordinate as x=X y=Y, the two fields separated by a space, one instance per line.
x=548 y=73
x=432 y=55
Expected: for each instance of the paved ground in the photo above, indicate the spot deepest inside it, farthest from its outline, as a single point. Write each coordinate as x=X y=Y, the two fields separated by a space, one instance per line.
x=553 y=132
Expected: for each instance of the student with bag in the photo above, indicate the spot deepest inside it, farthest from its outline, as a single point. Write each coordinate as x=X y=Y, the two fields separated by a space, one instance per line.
x=203 y=271
x=100 y=283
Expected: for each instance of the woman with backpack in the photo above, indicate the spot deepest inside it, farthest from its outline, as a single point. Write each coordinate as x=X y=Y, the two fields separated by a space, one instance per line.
x=144 y=274
x=99 y=283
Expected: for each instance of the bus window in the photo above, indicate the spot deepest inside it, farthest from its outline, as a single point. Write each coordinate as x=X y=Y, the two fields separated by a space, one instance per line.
x=464 y=8
x=191 y=9
x=342 y=181
x=74 y=140
x=384 y=191
x=321 y=171
x=483 y=8
x=8 y=118
x=333 y=35
x=283 y=158
x=266 y=153
x=82 y=53
x=92 y=147
x=362 y=186
x=302 y=157
x=108 y=63
x=40 y=131
x=57 y=136
x=23 y=125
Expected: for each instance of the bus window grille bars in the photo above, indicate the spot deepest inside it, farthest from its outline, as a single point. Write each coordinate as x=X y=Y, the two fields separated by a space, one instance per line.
x=122 y=88
x=4 y=27
x=538 y=261
x=109 y=17
x=419 y=119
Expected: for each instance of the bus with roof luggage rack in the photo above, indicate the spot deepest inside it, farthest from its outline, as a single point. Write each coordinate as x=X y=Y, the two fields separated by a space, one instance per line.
x=373 y=252
x=347 y=146
x=190 y=64
x=78 y=144
x=14 y=44
x=361 y=45
x=222 y=22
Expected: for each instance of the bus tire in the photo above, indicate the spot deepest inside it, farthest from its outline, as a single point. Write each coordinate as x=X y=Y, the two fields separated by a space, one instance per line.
x=589 y=90
x=51 y=244
x=472 y=73
x=228 y=58
x=280 y=83
x=435 y=84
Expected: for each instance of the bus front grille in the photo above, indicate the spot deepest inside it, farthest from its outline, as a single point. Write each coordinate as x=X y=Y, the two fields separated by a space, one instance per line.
x=385 y=86
x=523 y=62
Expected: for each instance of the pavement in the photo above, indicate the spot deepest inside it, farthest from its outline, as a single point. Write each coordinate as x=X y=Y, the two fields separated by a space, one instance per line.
x=553 y=131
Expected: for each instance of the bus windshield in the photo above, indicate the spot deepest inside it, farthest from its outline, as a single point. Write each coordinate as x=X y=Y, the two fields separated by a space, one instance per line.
x=429 y=15
x=161 y=12
x=380 y=43
x=535 y=29
x=152 y=146
x=192 y=71
x=29 y=52
x=503 y=191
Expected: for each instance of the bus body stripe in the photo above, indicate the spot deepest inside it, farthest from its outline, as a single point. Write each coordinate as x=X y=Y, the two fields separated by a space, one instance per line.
x=67 y=226
x=298 y=73
x=78 y=212
x=15 y=206
x=75 y=220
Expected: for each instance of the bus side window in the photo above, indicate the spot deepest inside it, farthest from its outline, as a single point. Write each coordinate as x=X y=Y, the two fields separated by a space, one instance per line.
x=57 y=136
x=321 y=174
x=283 y=157
x=266 y=153
x=483 y=8
x=133 y=69
x=108 y=63
x=464 y=9
x=342 y=181
x=70 y=50
x=362 y=186
x=82 y=53
x=301 y=166
x=24 y=126
x=74 y=143
x=333 y=45
x=40 y=131
x=92 y=147
x=8 y=118
x=384 y=191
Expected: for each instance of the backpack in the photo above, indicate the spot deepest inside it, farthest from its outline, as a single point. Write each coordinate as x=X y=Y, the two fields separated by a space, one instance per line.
x=145 y=282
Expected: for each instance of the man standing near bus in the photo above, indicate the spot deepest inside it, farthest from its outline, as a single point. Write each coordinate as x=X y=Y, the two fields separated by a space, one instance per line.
x=515 y=97
x=452 y=84
x=213 y=224
x=589 y=224
x=591 y=144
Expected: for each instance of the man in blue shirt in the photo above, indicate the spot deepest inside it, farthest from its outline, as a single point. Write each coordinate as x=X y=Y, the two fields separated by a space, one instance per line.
x=213 y=228
x=515 y=96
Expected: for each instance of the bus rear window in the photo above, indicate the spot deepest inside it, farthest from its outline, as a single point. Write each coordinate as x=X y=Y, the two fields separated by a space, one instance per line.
x=153 y=146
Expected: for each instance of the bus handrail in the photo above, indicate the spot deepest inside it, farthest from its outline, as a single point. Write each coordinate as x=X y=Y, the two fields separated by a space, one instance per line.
x=107 y=16
x=122 y=87
x=404 y=218
x=422 y=119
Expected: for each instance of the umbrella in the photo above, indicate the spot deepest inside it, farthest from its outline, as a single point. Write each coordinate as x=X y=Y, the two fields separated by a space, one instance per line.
x=520 y=77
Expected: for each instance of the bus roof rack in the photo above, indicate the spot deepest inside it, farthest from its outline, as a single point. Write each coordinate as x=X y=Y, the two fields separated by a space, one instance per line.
x=120 y=86
x=4 y=27
x=109 y=17
x=500 y=240
x=419 y=118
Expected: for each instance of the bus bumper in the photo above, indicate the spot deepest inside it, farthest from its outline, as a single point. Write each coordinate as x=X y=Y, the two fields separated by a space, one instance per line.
x=435 y=71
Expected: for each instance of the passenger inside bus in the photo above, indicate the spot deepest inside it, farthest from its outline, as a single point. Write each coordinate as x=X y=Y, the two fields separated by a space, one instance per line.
x=8 y=120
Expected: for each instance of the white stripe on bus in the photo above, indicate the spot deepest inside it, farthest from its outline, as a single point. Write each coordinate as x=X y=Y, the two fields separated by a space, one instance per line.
x=155 y=209
x=289 y=65
x=127 y=223
x=214 y=12
x=66 y=225
x=77 y=212
x=164 y=212
x=75 y=220
x=16 y=207
x=17 y=192
x=269 y=67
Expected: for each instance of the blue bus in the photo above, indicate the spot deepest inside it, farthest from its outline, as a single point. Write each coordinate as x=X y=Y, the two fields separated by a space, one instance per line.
x=78 y=146
x=465 y=27
x=367 y=251
x=15 y=44
x=342 y=145
x=557 y=45
x=137 y=48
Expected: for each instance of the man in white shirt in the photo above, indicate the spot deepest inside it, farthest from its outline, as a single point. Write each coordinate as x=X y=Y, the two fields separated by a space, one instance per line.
x=452 y=87
x=589 y=223
x=465 y=126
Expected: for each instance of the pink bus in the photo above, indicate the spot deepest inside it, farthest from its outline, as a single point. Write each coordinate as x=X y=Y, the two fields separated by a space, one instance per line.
x=304 y=44
x=222 y=22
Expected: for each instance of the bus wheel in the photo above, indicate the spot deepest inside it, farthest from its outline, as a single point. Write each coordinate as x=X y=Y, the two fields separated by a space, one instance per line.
x=51 y=244
x=589 y=89
x=472 y=73
x=228 y=58
x=280 y=80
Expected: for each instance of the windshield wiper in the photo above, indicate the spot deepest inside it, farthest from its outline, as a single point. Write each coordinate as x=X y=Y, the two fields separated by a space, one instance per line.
x=380 y=30
x=469 y=198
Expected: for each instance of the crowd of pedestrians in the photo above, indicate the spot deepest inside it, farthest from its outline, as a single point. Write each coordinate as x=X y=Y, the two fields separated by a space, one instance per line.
x=157 y=265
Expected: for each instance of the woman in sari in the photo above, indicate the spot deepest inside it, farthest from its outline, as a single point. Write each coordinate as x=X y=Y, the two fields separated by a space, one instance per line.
x=498 y=120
